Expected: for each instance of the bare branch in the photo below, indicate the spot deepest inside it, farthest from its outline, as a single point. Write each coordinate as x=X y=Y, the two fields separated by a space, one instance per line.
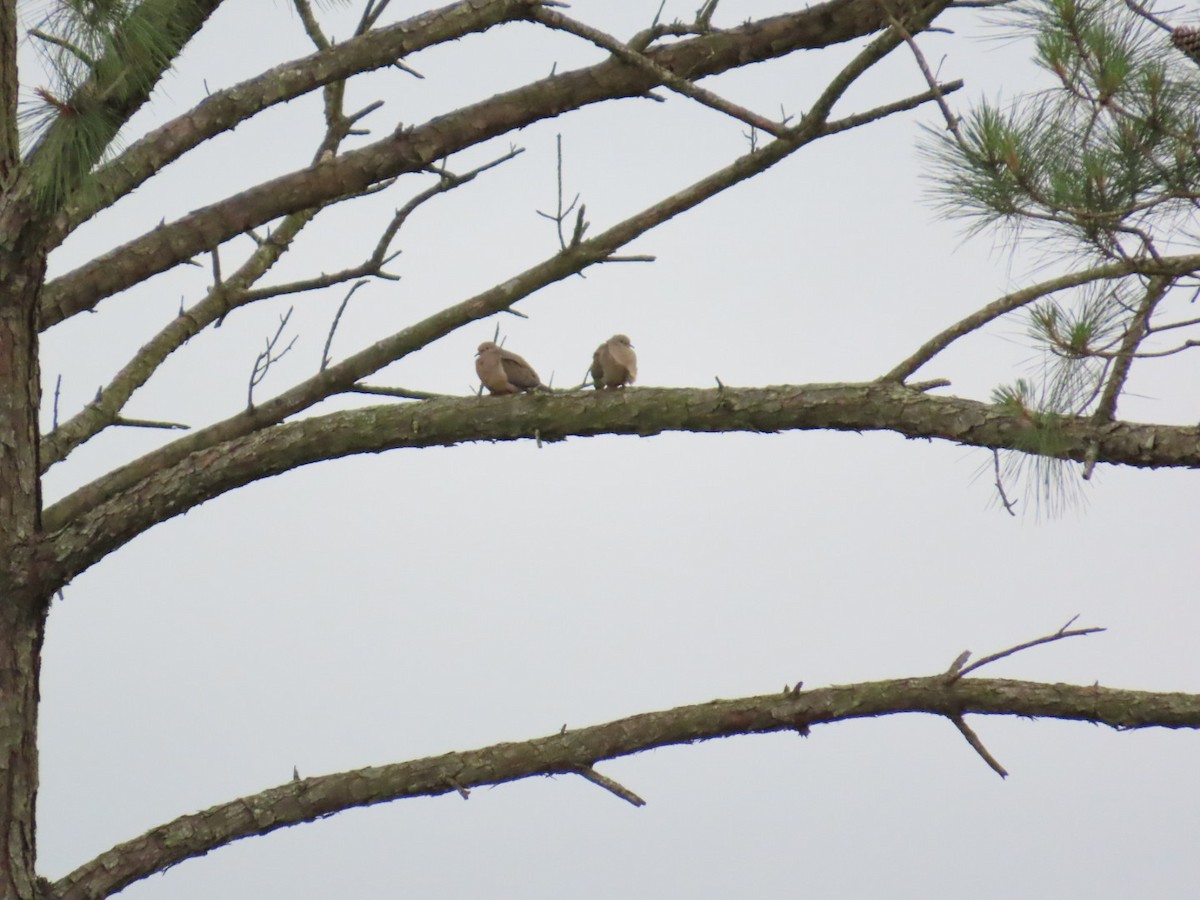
x=575 y=751
x=150 y=423
x=403 y=393
x=609 y=785
x=337 y=318
x=268 y=357
x=1062 y=634
x=931 y=80
x=662 y=75
x=1009 y=505
x=977 y=745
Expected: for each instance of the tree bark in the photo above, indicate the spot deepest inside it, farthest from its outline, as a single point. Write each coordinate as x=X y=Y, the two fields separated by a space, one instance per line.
x=22 y=601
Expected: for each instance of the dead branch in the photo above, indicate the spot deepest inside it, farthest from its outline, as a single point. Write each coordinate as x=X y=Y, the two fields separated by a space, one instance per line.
x=149 y=423
x=575 y=751
x=336 y=319
x=1062 y=634
x=561 y=213
x=268 y=357
x=977 y=745
x=402 y=393
x=1009 y=505
x=609 y=785
x=664 y=76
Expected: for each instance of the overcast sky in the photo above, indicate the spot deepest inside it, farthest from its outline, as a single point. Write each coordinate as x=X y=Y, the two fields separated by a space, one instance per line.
x=365 y=611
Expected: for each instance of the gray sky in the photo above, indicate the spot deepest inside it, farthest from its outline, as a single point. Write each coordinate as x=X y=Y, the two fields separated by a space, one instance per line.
x=364 y=612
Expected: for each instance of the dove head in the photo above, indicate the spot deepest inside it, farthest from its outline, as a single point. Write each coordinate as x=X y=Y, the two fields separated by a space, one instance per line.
x=621 y=339
x=486 y=346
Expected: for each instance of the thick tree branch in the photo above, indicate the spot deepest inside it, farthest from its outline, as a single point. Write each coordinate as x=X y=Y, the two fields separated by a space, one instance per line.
x=417 y=148
x=224 y=110
x=84 y=532
x=578 y=750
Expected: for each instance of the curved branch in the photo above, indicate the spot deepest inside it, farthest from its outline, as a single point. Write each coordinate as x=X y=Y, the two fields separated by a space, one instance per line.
x=1167 y=267
x=573 y=751
x=417 y=148
x=81 y=532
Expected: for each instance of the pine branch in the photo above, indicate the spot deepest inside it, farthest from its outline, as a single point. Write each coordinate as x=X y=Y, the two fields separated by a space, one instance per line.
x=120 y=82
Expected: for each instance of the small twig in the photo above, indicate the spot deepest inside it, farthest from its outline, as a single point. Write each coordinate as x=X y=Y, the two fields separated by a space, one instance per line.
x=149 y=423
x=609 y=785
x=1009 y=505
x=404 y=393
x=1139 y=10
x=462 y=791
x=371 y=13
x=639 y=257
x=560 y=214
x=931 y=80
x=959 y=662
x=268 y=357
x=57 y=390
x=632 y=56
x=704 y=15
x=336 y=319
x=977 y=745
x=1061 y=634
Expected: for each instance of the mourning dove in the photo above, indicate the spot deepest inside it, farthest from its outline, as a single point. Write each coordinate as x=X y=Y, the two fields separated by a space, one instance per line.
x=503 y=372
x=614 y=364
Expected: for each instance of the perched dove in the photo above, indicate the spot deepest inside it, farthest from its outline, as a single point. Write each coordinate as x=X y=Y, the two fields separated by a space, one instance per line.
x=503 y=372
x=614 y=364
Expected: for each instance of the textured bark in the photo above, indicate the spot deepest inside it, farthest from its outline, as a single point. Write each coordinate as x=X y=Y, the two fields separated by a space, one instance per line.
x=22 y=606
x=10 y=149
x=22 y=626
x=576 y=750
x=98 y=519
x=416 y=148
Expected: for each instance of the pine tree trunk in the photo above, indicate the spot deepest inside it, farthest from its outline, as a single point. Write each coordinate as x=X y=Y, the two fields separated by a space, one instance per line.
x=23 y=603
